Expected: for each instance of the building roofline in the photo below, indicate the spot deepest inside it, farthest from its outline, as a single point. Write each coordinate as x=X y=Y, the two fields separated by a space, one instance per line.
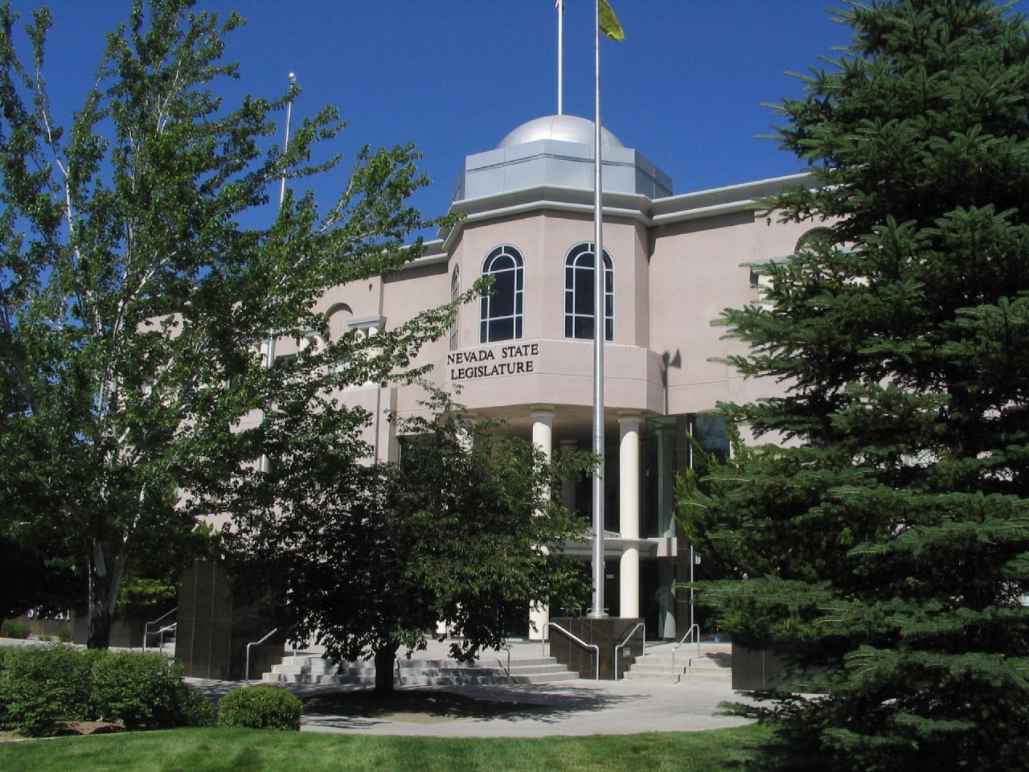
x=633 y=206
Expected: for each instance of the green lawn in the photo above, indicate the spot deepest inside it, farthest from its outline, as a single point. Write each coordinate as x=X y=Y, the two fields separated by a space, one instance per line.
x=197 y=750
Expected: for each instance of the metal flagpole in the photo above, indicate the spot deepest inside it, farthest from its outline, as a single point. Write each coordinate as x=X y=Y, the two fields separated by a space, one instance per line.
x=599 y=330
x=269 y=361
x=560 y=57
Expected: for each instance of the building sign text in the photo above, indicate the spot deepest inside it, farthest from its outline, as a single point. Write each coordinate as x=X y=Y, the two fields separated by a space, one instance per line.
x=488 y=362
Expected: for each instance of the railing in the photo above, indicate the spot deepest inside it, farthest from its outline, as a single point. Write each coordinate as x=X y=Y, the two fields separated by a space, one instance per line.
x=246 y=666
x=146 y=628
x=574 y=637
x=625 y=640
x=507 y=670
x=694 y=633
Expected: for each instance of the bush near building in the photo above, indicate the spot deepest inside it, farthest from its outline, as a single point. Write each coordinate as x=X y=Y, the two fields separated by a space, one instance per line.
x=44 y=688
x=260 y=707
x=14 y=629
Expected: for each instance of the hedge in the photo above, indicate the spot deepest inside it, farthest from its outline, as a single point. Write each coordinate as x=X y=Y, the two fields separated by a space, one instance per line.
x=260 y=707
x=44 y=687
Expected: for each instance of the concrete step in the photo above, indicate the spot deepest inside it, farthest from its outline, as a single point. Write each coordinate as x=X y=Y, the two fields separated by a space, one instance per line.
x=682 y=666
x=310 y=669
x=649 y=675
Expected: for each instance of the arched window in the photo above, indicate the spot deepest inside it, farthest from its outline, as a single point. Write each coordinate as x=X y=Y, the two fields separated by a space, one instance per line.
x=455 y=290
x=814 y=239
x=501 y=317
x=579 y=294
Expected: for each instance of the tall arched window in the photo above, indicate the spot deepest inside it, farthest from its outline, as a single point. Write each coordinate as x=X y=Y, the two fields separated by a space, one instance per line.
x=814 y=239
x=501 y=317
x=579 y=294
x=455 y=290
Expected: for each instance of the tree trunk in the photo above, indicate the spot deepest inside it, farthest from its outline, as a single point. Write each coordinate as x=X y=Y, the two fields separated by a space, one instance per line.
x=104 y=580
x=384 y=660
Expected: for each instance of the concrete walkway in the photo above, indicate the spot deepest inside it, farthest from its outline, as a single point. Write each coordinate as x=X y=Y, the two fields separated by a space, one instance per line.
x=578 y=707
x=568 y=708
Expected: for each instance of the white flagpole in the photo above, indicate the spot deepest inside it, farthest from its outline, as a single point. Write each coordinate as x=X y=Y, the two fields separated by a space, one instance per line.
x=599 y=330
x=560 y=57
x=285 y=139
x=269 y=361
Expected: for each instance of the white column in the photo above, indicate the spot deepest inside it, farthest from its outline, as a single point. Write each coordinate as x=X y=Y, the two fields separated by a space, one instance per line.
x=543 y=439
x=568 y=484
x=629 y=513
x=666 y=528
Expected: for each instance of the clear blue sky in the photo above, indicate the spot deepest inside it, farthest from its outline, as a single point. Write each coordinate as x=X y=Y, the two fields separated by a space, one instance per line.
x=455 y=76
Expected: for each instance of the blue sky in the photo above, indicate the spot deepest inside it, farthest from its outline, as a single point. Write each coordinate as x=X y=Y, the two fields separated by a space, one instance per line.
x=455 y=76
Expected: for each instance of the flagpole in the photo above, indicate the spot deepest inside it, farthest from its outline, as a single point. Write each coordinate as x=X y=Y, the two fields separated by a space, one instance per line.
x=599 y=330
x=269 y=361
x=560 y=57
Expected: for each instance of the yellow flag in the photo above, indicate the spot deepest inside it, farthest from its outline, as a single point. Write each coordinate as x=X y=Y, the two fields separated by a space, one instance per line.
x=609 y=23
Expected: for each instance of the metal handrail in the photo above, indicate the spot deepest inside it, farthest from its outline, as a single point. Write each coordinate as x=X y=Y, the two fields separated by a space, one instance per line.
x=622 y=645
x=146 y=626
x=508 y=668
x=246 y=667
x=574 y=637
x=694 y=633
x=167 y=628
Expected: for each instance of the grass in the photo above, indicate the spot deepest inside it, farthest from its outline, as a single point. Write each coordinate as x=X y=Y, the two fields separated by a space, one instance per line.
x=206 y=750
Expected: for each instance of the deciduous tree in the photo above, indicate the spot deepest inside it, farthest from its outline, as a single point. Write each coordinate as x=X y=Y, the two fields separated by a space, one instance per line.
x=136 y=293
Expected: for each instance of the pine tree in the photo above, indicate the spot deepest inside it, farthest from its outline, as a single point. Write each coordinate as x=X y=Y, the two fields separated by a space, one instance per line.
x=881 y=542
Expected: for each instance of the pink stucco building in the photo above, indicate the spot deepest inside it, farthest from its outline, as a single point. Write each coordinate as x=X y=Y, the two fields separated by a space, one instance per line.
x=673 y=262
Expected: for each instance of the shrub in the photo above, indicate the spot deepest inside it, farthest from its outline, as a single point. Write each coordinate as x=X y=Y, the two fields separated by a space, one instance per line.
x=194 y=708
x=64 y=634
x=14 y=629
x=44 y=686
x=145 y=691
x=260 y=707
x=3 y=701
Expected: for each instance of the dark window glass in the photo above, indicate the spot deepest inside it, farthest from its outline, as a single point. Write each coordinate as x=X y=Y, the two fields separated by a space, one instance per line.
x=584 y=293
x=584 y=327
x=501 y=329
x=579 y=289
x=503 y=295
x=501 y=311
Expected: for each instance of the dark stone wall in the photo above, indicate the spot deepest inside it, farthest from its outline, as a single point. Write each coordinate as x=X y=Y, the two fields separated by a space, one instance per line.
x=755 y=668
x=213 y=631
x=605 y=633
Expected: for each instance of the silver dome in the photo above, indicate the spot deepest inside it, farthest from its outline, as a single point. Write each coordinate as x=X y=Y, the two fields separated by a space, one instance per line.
x=563 y=128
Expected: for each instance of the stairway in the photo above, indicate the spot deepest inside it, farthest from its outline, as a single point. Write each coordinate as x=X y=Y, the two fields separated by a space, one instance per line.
x=311 y=668
x=713 y=664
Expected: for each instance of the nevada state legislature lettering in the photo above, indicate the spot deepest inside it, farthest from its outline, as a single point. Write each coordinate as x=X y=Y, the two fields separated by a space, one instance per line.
x=488 y=362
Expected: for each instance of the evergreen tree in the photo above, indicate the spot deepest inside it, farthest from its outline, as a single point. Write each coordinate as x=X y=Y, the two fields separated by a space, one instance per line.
x=882 y=542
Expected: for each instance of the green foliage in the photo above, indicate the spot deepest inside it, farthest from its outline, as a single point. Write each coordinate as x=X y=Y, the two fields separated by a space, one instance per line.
x=463 y=529
x=14 y=629
x=881 y=542
x=260 y=707
x=194 y=709
x=45 y=686
x=145 y=691
x=134 y=303
x=142 y=596
x=41 y=688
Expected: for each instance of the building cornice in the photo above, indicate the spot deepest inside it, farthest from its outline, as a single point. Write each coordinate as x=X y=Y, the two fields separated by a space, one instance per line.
x=648 y=212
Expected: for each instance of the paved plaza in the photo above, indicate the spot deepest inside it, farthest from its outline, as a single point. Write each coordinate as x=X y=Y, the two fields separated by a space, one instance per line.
x=577 y=707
